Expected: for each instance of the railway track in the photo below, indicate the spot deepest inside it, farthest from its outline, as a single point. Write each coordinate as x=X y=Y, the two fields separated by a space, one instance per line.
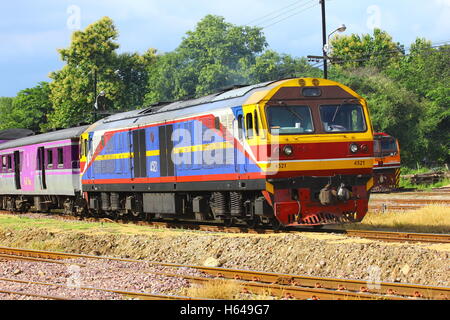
x=256 y=282
x=404 y=204
x=368 y=234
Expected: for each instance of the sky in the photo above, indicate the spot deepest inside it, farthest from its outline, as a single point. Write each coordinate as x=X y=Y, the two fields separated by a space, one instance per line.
x=32 y=31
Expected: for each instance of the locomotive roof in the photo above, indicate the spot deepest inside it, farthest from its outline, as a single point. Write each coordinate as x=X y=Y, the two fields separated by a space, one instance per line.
x=45 y=137
x=235 y=96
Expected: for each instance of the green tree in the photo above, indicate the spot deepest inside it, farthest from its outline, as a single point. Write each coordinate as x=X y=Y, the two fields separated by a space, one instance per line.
x=28 y=109
x=272 y=66
x=425 y=71
x=394 y=109
x=89 y=56
x=209 y=58
x=92 y=66
x=355 y=51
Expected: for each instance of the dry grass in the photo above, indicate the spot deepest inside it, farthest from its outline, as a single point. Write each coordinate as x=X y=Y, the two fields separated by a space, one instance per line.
x=432 y=218
x=218 y=289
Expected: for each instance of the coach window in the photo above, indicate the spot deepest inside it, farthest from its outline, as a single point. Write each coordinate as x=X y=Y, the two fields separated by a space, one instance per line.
x=60 y=158
x=49 y=158
x=9 y=162
x=249 y=123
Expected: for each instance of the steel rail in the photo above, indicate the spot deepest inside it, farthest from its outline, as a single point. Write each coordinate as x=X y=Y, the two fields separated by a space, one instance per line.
x=291 y=291
x=17 y=257
x=409 y=201
x=336 y=284
x=373 y=234
x=132 y=294
x=399 y=236
x=21 y=293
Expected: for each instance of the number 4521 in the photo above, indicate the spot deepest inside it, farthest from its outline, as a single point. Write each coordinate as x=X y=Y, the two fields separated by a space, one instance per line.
x=359 y=162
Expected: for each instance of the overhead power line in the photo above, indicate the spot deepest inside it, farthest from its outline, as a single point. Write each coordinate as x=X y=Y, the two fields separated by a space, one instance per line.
x=311 y=3
x=270 y=16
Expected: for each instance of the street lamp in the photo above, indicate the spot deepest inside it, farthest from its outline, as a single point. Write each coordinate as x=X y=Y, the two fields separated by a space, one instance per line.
x=327 y=46
x=101 y=94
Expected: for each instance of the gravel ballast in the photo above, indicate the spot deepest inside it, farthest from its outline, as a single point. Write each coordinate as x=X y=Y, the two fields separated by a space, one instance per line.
x=323 y=255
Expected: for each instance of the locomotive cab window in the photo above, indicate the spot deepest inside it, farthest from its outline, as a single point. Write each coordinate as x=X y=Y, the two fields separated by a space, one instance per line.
x=388 y=147
x=256 y=123
x=240 y=127
x=342 y=118
x=286 y=119
x=249 y=124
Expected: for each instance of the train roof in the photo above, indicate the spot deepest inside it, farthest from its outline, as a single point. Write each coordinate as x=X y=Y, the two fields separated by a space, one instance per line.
x=234 y=96
x=14 y=133
x=45 y=137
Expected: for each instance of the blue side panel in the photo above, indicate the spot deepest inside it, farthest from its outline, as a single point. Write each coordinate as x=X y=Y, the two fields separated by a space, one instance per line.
x=194 y=160
x=152 y=144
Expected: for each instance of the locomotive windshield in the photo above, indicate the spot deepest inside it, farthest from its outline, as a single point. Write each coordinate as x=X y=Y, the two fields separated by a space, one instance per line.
x=342 y=118
x=384 y=147
x=289 y=119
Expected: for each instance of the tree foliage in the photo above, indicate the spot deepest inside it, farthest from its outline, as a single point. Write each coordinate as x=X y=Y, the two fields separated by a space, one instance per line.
x=212 y=56
x=408 y=93
x=355 y=51
x=92 y=66
x=28 y=109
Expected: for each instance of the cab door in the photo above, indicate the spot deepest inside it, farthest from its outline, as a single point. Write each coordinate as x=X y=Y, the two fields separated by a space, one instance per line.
x=240 y=160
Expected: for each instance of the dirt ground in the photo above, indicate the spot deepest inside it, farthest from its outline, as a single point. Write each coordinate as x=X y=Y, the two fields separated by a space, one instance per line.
x=311 y=254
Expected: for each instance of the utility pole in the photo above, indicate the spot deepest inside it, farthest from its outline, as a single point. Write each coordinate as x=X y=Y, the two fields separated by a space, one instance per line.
x=95 y=95
x=324 y=36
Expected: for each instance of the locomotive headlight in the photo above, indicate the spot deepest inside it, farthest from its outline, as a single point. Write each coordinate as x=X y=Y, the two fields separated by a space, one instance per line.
x=288 y=150
x=353 y=148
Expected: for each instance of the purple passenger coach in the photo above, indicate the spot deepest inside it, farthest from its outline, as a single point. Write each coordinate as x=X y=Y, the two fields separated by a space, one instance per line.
x=41 y=171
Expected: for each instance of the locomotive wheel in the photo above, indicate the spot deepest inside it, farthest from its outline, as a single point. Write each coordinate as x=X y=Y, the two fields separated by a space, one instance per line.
x=252 y=223
x=276 y=225
x=228 y=222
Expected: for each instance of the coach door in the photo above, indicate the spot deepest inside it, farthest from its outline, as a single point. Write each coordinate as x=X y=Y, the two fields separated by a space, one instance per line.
x=17 y=169
x=166 y=165
x=139 y=154
x=41 y=167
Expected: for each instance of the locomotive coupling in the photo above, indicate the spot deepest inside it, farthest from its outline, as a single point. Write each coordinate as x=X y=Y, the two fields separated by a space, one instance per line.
x=328 y=195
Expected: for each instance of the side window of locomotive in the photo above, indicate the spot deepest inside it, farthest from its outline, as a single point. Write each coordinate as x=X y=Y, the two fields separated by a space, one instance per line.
x=249 y=125
x=240 y=127
x=256 y=123
x=86 y=149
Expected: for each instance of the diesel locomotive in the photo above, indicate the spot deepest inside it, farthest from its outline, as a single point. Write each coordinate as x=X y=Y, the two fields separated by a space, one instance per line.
x=387 y=163
x=291 y=152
